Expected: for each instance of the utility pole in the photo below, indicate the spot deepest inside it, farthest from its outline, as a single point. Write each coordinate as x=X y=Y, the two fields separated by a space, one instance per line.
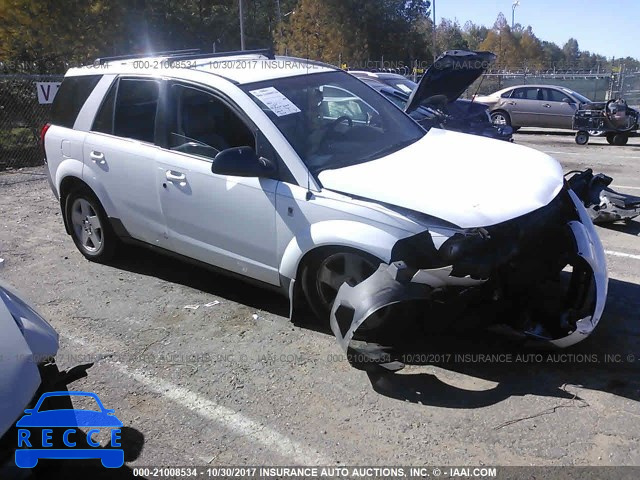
x=513 y=13
x=279 y=17
x=241 y=25
x=433 y=7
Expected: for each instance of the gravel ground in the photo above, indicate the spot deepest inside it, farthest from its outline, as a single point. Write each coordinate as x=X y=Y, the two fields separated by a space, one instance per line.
x=235 y=383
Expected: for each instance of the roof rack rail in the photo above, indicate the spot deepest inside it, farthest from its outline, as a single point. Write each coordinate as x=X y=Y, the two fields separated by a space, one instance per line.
x=316 y=63
x=168 y=53
x=267 y=52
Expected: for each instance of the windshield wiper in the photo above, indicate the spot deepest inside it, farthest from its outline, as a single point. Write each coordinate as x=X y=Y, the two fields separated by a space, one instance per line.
x=387 y=150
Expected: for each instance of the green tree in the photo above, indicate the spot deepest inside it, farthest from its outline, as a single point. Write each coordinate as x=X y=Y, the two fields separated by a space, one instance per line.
x=50 y=35
x=316 y=31
x=571 y=51
x=531 y=49
x=450 y=36
x=474 y=34
x=552 y=54
x=357 y=31
x=501 y=41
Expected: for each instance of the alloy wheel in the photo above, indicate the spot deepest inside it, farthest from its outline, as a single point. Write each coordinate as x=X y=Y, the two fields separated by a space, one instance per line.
x=86 y=226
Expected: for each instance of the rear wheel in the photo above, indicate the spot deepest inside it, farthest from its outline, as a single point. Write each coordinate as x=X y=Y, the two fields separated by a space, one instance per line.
x=501 y=118
x=582 y=137
x=325 y=274
x=620 y=139
x=90 y=227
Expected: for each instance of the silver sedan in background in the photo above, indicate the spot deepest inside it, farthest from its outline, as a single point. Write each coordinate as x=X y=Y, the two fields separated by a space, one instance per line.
x=546 y=106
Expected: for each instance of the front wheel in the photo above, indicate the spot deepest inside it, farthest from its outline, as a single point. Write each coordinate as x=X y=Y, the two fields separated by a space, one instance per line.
x=90 y=227
x=582 y=138
x=326 y=273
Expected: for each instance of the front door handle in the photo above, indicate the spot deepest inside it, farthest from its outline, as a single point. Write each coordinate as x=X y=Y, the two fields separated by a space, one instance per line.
x=97 y=157
x=175 y=176
x=511 y=103
x=546 y=105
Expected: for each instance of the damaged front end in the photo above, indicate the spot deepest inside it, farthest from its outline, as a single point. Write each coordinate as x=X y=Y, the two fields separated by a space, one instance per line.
x=603 y=204
x=541 y=277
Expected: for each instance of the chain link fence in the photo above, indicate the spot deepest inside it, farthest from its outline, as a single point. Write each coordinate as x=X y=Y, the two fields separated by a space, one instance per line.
x=22 y=116
x=599 y=86
x=22 y=113
x=630 y=88
x=595 y=87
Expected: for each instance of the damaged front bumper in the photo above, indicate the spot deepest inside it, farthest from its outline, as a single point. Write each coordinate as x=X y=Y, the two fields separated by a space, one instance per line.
x=504 y=280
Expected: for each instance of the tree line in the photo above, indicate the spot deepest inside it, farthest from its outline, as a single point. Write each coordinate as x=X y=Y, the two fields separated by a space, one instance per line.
x=48 y=36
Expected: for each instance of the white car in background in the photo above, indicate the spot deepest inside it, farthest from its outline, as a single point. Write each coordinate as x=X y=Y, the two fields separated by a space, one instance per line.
x=232 y=160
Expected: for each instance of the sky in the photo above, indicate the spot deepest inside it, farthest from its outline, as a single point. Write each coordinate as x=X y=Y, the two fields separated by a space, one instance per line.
x=607 y=27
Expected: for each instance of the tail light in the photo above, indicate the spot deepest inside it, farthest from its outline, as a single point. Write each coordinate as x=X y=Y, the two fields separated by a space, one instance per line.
x=42 y=134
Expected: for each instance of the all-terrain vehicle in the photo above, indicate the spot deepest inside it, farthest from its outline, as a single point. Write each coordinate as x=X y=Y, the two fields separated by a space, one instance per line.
x=615 y=118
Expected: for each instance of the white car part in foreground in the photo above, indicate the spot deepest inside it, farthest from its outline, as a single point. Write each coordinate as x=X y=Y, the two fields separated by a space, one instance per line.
x=26 y=340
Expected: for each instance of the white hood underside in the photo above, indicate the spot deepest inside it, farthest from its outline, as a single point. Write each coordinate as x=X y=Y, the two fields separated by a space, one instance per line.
x=467 y=180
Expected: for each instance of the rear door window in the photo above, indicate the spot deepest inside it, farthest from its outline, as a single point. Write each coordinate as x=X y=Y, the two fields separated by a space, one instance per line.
x=104 y=119
x=135 y=109
x=526 y=94
x=70 y=98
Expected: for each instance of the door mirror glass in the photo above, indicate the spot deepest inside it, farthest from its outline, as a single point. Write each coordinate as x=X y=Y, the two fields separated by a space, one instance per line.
x=242 y=162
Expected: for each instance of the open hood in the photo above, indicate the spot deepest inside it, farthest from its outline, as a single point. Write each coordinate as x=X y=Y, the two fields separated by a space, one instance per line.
x=450 y=75
x=467 y=180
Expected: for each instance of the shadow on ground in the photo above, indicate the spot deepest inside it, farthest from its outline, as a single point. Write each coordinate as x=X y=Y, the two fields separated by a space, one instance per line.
x=631 y=228
x=599 y=363
x=149 y=263
x=608 y=361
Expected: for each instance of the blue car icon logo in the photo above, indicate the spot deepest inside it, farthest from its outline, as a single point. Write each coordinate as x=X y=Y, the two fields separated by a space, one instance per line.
x=36 y=433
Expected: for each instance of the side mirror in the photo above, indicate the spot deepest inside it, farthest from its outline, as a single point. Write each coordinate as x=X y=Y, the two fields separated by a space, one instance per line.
x=242 y=162
x=567 y=100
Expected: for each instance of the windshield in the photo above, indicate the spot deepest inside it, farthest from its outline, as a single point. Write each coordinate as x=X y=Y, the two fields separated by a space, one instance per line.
x=580 y=98
x=333 y=120
x=403 y=84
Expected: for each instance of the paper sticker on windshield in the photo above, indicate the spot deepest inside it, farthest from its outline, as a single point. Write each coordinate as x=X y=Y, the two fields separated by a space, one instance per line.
x=275 y=101
x=404 y=88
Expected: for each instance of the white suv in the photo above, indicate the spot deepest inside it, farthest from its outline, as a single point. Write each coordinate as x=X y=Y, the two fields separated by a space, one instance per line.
x=297 y=175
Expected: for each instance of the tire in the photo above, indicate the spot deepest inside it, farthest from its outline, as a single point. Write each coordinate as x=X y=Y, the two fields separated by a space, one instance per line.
x=90 y=228
x=610 y=138
x=501 y=118
x=620 y=139
x=327 y=271
x=582 y=137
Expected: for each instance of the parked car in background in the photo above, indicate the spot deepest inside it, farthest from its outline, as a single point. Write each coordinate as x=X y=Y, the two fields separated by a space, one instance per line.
x=546 y=106
x=398 y=89
x=440 y=104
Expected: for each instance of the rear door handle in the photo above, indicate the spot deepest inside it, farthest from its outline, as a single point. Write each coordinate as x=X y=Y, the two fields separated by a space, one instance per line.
x=97 y=157
x=546 y=105
x=175 y=176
